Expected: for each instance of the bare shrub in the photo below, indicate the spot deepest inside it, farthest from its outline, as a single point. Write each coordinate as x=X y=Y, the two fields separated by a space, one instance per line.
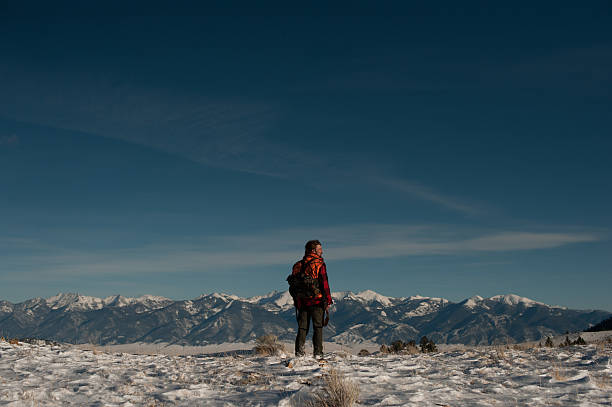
x=400 y=347
x=337 y=392
x=427 y=345
x=364 y=352
x=397 y=347
x=411 y=349
x=268 y=345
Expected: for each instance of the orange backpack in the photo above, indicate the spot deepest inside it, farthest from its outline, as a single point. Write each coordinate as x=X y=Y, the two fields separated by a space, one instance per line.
x=304 y=280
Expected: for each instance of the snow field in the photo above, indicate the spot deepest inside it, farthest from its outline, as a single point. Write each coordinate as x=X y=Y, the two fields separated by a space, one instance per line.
x=476 y=376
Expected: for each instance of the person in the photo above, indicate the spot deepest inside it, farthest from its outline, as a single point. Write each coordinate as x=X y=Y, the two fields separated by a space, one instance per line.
x=312 y=307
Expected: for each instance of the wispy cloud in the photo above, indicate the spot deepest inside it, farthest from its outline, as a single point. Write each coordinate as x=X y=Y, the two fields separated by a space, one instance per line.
x=498 y=242
x=427 y=194
x=281 y=247
x=228 y=133
x=224 y=133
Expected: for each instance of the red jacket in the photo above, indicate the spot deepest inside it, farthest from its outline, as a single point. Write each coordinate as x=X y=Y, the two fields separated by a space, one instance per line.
x=316 y=267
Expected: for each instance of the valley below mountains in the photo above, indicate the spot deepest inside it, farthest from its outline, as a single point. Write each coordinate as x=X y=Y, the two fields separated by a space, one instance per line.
x=221 y=318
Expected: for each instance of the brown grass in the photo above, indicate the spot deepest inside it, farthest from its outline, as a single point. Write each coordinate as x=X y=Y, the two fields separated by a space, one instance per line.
x=524 y=346
x=337 y=392
x=601 y=380
x=601 y=346
x=403 y=348
x=268 y=345
x=412 y=350
x=558 y=372
x=254 y=378
x=500 y=353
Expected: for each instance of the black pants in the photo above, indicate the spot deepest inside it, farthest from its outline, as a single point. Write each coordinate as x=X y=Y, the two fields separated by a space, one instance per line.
x=304 y=316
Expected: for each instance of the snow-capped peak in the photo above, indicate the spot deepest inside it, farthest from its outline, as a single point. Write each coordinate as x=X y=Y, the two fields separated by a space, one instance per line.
x=339 y=295
x=152 y=298
x=74 y=301
x=417 y=297
x=366 y=296
x=150 y=301
x=508 y=299
x=430 y=299
x=272 y=300
x=285 y=300
x=259 y=298
x=220 y=296
x=369 y=295
x=512 y=299
x=473 y=301
x=117 y=301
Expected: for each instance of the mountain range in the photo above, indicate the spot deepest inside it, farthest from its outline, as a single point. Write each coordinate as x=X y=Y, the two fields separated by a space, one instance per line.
x=219 y=318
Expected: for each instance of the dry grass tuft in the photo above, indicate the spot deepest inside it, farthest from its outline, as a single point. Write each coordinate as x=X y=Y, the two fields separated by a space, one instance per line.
x=558 y=372
x=337 y=392
x=601 y=346
x=500 y=353
x=13 y=341
x=342 y=354
x=411 y=349
x=253 y=378
x=524 y=346
x=268 y=345
x=601 y=380
x=399 y=347
x=497 y=354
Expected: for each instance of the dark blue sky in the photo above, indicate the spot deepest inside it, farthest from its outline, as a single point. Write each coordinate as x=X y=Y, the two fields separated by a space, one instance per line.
x=442 y=152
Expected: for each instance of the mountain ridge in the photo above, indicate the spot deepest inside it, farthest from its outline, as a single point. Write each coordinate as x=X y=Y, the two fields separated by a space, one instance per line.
x=356 y=317
x=366 y=296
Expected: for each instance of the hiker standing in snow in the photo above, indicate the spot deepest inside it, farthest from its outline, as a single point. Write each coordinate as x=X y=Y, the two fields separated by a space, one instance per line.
x=311 y=297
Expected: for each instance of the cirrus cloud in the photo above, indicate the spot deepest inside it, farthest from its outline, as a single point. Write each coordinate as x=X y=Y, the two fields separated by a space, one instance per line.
x=280 y=247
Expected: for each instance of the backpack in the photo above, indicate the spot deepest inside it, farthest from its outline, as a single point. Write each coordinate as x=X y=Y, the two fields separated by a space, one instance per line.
x=302 y=284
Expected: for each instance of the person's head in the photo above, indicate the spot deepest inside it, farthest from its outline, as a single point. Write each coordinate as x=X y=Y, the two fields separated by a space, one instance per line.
x=313 y=246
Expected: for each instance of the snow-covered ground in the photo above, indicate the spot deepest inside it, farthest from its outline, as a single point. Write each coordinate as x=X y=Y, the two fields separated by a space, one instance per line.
x=221 y=348
x=61 y=375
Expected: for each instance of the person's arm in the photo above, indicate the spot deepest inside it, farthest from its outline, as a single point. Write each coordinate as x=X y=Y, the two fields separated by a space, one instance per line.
x=323 y=275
